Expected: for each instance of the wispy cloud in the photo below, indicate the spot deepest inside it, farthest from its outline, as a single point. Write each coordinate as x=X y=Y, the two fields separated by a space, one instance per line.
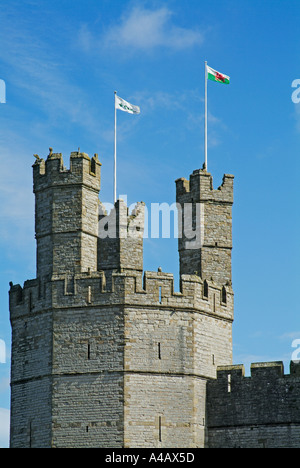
x=142 y=29
x=290 y=336
x=42 y=73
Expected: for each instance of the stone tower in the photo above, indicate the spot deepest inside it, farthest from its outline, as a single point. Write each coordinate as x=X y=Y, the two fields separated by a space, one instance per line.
x=211 y=215
x=104 y=354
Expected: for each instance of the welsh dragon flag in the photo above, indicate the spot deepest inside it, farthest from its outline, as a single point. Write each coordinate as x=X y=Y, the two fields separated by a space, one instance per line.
x=214 y=75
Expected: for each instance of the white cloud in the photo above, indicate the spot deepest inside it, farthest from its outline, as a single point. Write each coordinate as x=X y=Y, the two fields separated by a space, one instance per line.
x=143 y=29
x=4 y=427
x=43 y=74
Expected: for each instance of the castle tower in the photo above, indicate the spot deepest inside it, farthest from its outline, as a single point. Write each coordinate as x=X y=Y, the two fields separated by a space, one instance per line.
x=104 y=354
x=66 y=214
x=207 y=213
x=120 y=244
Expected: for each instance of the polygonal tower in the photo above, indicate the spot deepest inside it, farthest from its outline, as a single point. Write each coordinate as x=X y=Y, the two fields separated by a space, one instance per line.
x=209 y=255
x=104 y=354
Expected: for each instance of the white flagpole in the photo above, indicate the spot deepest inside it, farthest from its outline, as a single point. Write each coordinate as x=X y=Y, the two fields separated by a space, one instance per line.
x=115 y=154
x=205 y=130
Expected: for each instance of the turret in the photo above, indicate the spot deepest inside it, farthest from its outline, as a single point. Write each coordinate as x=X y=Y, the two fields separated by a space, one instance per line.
x=66 y=220
x=206 y=226
x=120 y=244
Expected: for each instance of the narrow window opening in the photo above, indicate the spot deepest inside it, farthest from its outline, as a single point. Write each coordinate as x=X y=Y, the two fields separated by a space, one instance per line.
x=213 y=359
x=87 y=428
x=160 y=294
x=30 y=434
x=159 y=428
x=229 y=383
x=103 y=283
x=205 y=289
x=194 y=217
x=70 y=286
x=89 y=351
x=93 y=166
x=20 y=295
x=89 y=294
x=159 y=351
x=224 y=295
x=214 y=303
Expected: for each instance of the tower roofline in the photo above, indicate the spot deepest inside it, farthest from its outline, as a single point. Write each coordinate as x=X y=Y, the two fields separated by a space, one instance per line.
x=201 y=183
x=52 y=171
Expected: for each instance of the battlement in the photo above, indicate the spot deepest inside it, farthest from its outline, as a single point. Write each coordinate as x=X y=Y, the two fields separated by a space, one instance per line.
x=66 y=215
x=199 y=188
x=258 y=370
x=210 y=218
x=262 y=408
x=94 y=289
x=129 y=353
x=52 y=172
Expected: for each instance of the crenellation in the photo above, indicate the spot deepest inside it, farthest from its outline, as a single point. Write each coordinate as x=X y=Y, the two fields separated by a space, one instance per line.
x=65 y=291
x=295 y=368
x=210 y=257
x=52 y=172
x=107 y=354
x=244 y=411
x=261 y=370
x=66 y=221
x=200 y=188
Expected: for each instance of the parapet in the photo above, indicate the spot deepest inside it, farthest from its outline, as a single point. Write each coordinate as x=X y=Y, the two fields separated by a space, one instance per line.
x=260 y=370
x=264 y=405
x=237 y=370
x=295 y=368
x=200 y=188
x=96 y=289
x=52 y=172
x=267 y=369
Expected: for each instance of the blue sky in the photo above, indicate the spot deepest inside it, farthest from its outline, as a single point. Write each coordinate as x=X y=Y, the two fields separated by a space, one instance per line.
x=61 y=62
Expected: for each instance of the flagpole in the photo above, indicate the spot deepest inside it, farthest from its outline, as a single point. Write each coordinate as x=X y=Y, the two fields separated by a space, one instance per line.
x=205 y=129
x=115 y=154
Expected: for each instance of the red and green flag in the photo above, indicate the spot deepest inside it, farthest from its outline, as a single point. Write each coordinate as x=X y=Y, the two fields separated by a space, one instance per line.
x=214 y=75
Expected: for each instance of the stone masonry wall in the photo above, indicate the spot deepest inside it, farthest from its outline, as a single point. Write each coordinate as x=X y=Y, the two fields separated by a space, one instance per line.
x=261 y=411
x=88 y=384
x=174 y=341
x=104 y=355
x=211 y=259
x=66 y=220
x=103 y=340
x=30 y=368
